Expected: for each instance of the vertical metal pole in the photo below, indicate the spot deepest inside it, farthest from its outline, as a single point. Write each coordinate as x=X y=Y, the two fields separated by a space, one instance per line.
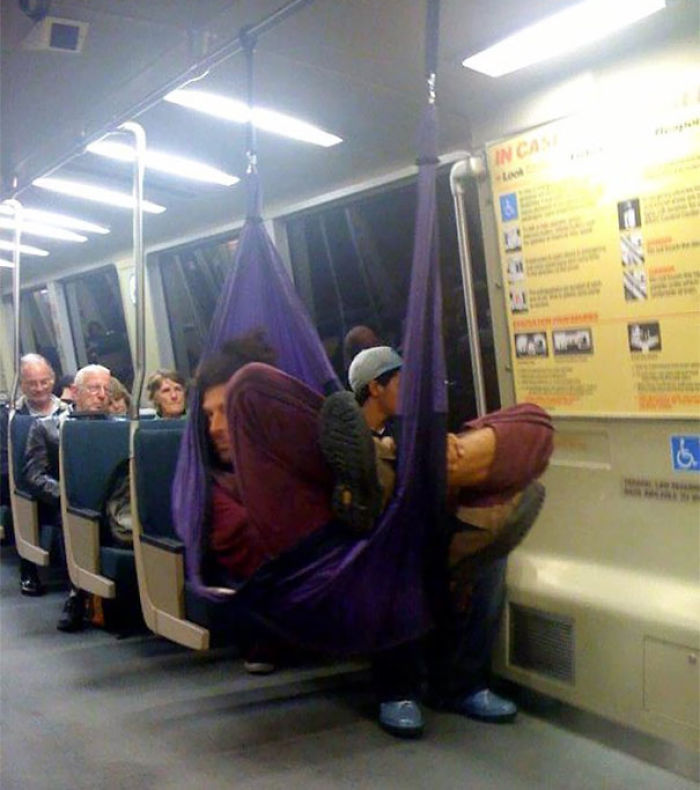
x=458 y=174
x=16 y=206
x=139 y=265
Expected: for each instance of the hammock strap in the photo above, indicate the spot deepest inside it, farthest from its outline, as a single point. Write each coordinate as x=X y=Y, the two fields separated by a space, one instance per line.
x=432 y=29
x=253 y=194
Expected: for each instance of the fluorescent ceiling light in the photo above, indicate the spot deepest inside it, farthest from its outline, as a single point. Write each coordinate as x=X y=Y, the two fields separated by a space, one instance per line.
x=47 y=231
x=238 y=112
x=6 y=264
x=25 y=249
x=165 y=163
x=91 y=192
x=59 y=220
x=560 y=33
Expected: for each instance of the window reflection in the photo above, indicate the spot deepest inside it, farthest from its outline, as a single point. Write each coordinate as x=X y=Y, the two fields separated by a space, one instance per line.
x=97 y=322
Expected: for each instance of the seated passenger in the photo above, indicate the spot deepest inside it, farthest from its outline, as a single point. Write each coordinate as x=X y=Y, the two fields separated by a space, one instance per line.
x=357 y=339
x=119 y=397
x=272 y=485
x=240 y=540
x=63 y=388
x=166 y=391
x=488 y=465
x=41 y=469
x=36 y=380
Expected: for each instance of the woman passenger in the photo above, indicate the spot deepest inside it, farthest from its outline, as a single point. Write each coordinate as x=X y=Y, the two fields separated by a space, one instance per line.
x=166 y=391
x=119 y=397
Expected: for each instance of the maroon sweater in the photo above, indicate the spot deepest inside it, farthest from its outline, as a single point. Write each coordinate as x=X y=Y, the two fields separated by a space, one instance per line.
x=235 y=546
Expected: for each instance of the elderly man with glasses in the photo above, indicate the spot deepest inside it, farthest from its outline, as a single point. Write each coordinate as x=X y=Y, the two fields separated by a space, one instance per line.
x=36 y=380
x=92 y=395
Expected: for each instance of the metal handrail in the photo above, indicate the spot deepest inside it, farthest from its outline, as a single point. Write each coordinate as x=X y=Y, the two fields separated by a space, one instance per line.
x=458 y=174
x=18 y=209
x=139 y=135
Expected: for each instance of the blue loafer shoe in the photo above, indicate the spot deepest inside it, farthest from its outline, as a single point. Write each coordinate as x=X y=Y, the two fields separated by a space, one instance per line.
x=484 y=705
x=402 y=718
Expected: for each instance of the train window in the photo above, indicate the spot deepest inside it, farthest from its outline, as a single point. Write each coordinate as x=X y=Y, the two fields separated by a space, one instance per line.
x=37 y=329
x=192 y=277
x=355 y=259
x=97 y=322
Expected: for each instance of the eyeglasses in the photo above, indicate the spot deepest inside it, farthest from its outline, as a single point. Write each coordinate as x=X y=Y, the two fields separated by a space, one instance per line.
x=93 y=389
x=39 y=383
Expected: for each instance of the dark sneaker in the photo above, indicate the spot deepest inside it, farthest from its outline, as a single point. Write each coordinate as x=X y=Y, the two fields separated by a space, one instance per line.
x=261 y=659
x=473 y=549
x=73 y=615
x=347 y=444
x=485 y=705
x=29 y=583
x=402 y=718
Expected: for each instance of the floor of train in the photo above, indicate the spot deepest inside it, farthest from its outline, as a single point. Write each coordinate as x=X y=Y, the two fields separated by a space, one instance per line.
x=91 y=711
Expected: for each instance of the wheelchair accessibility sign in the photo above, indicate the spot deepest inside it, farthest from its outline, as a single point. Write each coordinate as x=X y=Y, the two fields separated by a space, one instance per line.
x=685 y=453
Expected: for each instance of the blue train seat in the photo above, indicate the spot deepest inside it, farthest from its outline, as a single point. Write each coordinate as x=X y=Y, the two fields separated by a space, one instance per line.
x=90 y=451
x=33 y=539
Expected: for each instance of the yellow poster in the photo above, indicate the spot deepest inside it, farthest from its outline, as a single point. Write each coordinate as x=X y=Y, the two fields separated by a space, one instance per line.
x=599 y=235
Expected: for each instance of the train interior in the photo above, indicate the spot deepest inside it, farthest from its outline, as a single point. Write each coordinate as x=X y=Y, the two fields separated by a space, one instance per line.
x=600 y=637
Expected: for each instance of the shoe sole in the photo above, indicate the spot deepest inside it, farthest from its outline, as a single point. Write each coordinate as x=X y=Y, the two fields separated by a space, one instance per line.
x=347 y=445
x=516 y=527
x=402 y=732
x=33 y=593
x=507 y=719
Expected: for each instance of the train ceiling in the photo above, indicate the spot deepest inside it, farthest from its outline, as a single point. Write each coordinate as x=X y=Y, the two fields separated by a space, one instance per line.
x=352 y=67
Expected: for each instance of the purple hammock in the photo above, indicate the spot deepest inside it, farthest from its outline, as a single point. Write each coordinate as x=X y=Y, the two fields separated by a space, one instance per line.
x=339 y=594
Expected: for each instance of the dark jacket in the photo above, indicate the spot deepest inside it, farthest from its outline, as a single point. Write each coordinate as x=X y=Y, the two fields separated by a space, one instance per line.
x=40 y=471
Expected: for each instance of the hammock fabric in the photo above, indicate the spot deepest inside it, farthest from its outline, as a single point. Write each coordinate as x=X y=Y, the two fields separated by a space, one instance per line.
x=340 y=594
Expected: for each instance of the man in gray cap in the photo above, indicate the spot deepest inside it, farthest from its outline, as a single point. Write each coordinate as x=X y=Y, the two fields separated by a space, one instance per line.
x=356 y=440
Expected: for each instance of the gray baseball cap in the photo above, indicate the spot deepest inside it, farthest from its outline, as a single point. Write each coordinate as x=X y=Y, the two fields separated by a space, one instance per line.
x=370 y=364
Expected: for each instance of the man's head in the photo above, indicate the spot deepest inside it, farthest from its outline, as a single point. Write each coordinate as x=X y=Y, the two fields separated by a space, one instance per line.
x=92 y=389
x=36 y=379
x=374 y=377
x=357 y=339
x=212 y=377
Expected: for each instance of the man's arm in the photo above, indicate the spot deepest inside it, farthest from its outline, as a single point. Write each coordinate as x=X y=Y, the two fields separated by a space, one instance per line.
x=37 y=472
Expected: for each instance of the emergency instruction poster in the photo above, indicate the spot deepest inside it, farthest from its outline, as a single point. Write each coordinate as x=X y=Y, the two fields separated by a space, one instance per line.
x=599 y=236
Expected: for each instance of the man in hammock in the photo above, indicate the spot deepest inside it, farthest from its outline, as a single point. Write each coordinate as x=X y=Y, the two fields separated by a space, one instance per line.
x=492 y=503
x=270 y=484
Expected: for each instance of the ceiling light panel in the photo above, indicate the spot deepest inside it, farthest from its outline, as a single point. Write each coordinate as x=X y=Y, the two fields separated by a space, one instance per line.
x=568 y=30
x=165 y=163
x=95 y=193
x=45 y=231
x=57 y=220
x=25 y=249
x=238 y=112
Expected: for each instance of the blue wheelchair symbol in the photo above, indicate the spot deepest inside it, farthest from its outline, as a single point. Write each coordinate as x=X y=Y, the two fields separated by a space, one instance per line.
x=509 y=207
x=685 y=453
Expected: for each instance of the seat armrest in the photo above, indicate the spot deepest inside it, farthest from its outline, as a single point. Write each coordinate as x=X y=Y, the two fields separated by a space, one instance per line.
x=84 y=512
x=167 y=544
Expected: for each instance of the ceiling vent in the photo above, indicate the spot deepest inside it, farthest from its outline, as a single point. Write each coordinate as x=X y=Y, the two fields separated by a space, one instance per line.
x=53 y=34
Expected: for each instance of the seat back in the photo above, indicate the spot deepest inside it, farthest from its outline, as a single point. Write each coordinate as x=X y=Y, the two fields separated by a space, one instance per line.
x=25 y=511
x=90 y=450
x=19 y=432
x=156 y=448
x=158 y=553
